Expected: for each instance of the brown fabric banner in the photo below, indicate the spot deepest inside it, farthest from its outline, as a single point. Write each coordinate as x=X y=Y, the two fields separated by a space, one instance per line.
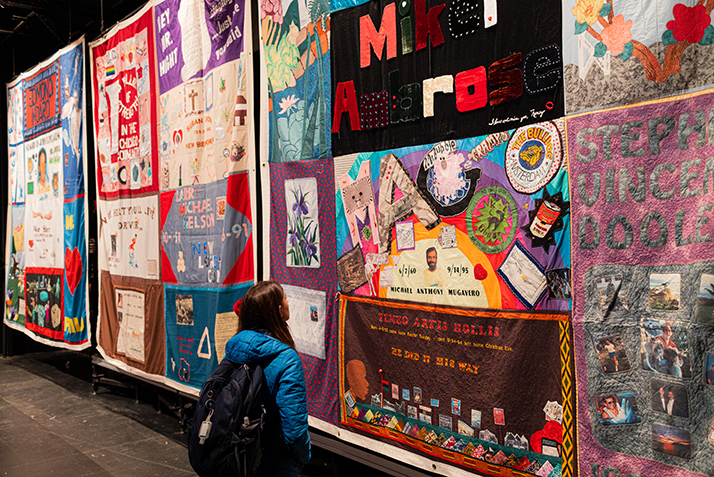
x=449 y=381
x=126 y=302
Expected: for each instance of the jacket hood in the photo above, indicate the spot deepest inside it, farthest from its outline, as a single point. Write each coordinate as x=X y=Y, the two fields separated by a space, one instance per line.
x=249 y=346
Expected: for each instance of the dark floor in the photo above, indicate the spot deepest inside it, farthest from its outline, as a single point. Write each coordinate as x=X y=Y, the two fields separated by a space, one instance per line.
x=51 y=424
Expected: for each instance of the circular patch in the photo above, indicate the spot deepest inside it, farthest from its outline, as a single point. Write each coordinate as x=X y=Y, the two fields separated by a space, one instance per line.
x=447 y=183
x=533 y=157
x=123 y=174
x=494 y=206
x=447 y=188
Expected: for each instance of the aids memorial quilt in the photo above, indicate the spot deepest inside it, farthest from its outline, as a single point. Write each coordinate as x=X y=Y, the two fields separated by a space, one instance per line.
x=303 y=259
x=174 y=139
x=206 y=149
x=46 y=276
x=618 y=52
x=297 y=52
x=644 y=347
x=131 y=329
x=408 y=373
x=481 y=222
x=415 y=72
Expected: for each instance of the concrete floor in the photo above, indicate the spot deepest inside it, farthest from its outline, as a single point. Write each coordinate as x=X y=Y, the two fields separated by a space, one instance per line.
x=52 y=425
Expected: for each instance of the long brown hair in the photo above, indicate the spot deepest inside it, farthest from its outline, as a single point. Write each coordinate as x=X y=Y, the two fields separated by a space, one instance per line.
x=260 y=310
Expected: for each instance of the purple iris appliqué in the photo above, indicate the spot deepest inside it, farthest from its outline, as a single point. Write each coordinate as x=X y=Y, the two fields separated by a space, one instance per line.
x=303 y=249
x=293 y=237
x=300 y=207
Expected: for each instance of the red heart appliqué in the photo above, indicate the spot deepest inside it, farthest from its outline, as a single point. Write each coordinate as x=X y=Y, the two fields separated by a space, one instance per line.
x=480 y=273
x=552 y=430
x=72 y=268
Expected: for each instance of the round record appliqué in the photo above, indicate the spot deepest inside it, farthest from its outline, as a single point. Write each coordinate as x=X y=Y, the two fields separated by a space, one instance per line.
x=533 y=157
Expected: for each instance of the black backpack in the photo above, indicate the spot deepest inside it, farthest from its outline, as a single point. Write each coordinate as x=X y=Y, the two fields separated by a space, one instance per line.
x=230 y=414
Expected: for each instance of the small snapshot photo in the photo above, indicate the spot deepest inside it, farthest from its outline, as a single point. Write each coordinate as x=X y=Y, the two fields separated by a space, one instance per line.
x=559 y=284
x=613 y=298
x=349 y=399
x=499 y=417
x=425 y=417
x=184 y=310
x=447 y=237
x=475 y=419
x=709 y=369
x=417 y=395
x=445 y=421
x=464 y=429
x=669 y=398
x=550 y=447
x=405 y=235
x=617 y=408
x=456 y=406
x=665 y=291
x=671 y=441
x=664 y=348
x=220 y=208
x=705 y=299
x=611 y=352
x=412 y=412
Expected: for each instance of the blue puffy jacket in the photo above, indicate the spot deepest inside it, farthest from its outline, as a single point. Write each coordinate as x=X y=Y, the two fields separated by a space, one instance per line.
x=286 y=381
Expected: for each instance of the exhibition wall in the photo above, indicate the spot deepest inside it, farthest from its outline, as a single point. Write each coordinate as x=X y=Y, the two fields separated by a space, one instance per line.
x=491 y=219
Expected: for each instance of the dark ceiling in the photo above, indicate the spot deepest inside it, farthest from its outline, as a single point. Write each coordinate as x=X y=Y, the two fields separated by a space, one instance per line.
x=32 y=30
